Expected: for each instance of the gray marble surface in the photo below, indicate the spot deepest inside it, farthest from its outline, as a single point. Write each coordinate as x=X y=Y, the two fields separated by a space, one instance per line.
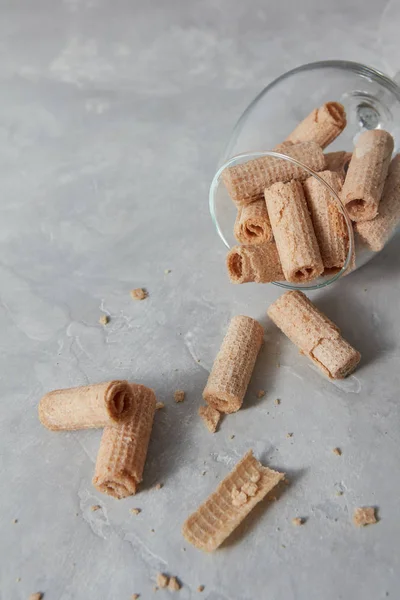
x=112 y=118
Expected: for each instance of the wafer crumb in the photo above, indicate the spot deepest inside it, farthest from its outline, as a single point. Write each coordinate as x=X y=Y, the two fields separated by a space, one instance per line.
x=104 y=319
x=135 y=596
x=200 y=588
x=364 y=516
x=158 y=486
x=211 y=417
x=135 y=511
x=238 y=498
x=160 y=405
x=139 y=294
x=339 y=493
x=232 y=437
x=298 y=521
x=289 y=435
x=166 y=271
x=337 y=451
x=36 y=596
x=277 y=401
x=179 y=396
x=203 y=473
x=249 y=488
x=162 y=580
x=18 y=579
x=15 y=521
x=95 y=507
x=260 y=393
x=174 y=584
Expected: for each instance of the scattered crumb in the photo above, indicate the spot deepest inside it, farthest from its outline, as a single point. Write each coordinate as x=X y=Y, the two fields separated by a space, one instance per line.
x=200 y=588
x=298 y=521
x=337 y=451
x=166 y=271
x=277 y=401
x=198 y=360
x=139 y=294
x=160 y=405
x=15 y=521
x=162 y=580
x=250 y=489
x=260 y=393
x=179 y=396
x=18 y=579
x=135 y=511
x=364 y=516
x=211 y=417
x=174 y=584
x=204 y=472
x=289 y=435
x=36 y=596
x=135 y=596
x=238 y=498
x=152 y=530
x=104 y=319
x=95 y=507
x=232 y=437
x=339 y=493
x=159 y=486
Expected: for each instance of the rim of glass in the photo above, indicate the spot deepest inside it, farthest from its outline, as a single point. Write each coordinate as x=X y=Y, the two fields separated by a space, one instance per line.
x=252 y=155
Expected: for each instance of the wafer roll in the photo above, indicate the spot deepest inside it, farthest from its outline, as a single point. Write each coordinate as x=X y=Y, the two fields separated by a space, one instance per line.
x=328 y=221
x=246 y=182
x=315 y=335
x=221 y=513
x=87 y=407
x=321 y=126
x=338 y=162
x=258 y=264
x=252 y=224
x=368 y=168
x=293 y=232
x=123 y=448
x=234 y=364
x=376 y=233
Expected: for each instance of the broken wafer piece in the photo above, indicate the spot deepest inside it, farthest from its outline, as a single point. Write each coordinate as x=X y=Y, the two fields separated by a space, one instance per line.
x=321 y=126
x=293 y=232
x=366 y=175
x=211 y=417
x=314 y=334
x=246 y=182
x=377 y=232
x=87 y=407
x=123 y=448
x=234 y=364
x=252 y=224
x=328 y=220
x=364 y=516
x=222 y=512
x=338 y=162
x=260 y=264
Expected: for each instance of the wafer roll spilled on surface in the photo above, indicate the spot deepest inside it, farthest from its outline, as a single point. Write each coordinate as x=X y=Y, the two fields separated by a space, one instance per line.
x=260 y=264
x=293 y=232
x=316 y=335
x=87 y=407
x=123 y=448
x=377 y=232
x=338 y=162
x=246 y=182
x=234 y=364
x=234 y=498
x=328 y=221
x=321 y=126
x=366 y=175
x=252 y=224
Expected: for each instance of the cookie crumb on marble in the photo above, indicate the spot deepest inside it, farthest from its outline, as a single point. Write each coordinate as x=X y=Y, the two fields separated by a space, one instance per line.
x=36 y=596
x=337 y=451
x=298 y=521
x=174 y=584
x=95 y=507
x=162 y=580
x=210 y=416
x=179 y=396
x=139 y=294
x=160 y=405
x=104 y=319
x=260 y=393
x=277 y=401
x=364 y=516
x=135 y=511
x=200 y=588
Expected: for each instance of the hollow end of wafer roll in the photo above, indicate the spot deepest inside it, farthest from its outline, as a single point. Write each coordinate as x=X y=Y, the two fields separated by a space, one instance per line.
x=234 y=263
x=223 y=402
x=254 y=263
x=119 y=400
x=119 y=486
x=337 y=112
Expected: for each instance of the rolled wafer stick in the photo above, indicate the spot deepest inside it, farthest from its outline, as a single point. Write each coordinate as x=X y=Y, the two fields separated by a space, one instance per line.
x=234 y=498
x=377 y=232
x=366 y=175
x=328 y=221
x=252 y=224
x=316 y=335
x=123 y=448
x=258 y=264
x=87 y=407
x=234 y=364
x=293 y=232
x=321 y=126
x=338 y=161
x=246 y=182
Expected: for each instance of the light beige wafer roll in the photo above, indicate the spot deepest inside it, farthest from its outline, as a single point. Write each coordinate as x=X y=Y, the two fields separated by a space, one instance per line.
x=123 y=448
x=338 y=161
x=87 y=407
x=328 y=221
x=252 y=224
x=234 y=364
x=321 y=126
x=293 y=232
x=315 y=335
x=234 y=498
x=366 y=175
x=246 y=182
x=377 y=232
x=258 y=264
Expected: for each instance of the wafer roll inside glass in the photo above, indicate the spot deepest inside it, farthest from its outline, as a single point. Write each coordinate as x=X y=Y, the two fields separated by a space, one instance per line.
x=245 y=486
x=246 y=182
x=123 y=448
x=314 y=334
x=293 y=232
x=366 y=175
x=321 y=126
x=252 y=224
x=234 y=364
x=259 y=264
x=87 y=407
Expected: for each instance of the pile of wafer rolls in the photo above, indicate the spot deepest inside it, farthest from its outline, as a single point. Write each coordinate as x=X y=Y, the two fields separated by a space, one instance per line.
x=289 y=226
x=125 y=411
